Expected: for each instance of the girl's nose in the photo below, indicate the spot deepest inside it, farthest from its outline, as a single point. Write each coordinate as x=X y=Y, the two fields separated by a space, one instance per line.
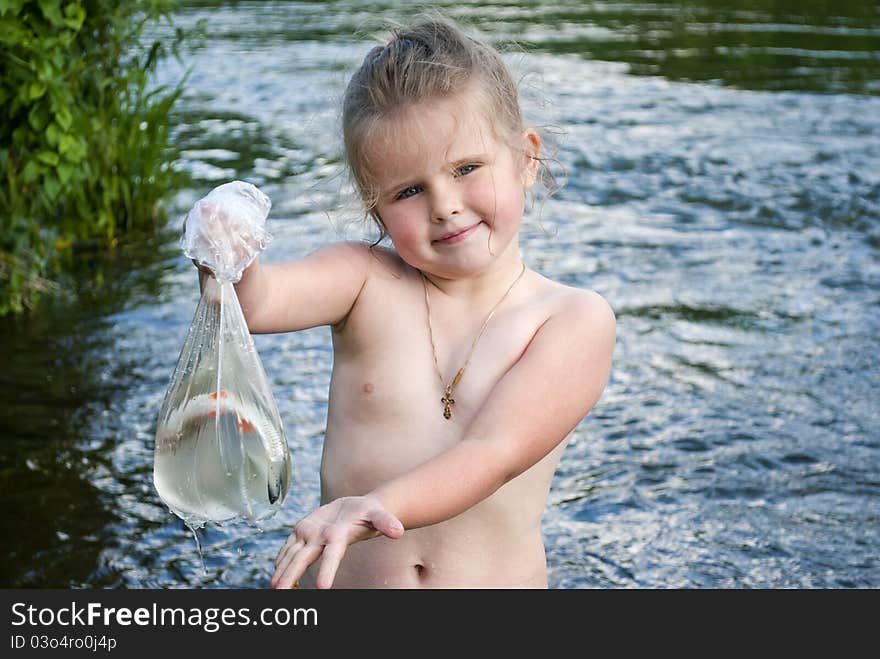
x=445 y=204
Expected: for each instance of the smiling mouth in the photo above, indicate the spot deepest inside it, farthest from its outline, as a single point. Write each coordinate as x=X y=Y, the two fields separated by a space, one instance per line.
x=456 y=236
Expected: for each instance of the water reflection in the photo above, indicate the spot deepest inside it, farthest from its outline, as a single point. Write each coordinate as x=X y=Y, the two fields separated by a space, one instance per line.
x=772 y=46
x=66 y=371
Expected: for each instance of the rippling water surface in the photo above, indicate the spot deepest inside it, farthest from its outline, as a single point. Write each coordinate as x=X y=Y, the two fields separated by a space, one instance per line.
x=723 y=193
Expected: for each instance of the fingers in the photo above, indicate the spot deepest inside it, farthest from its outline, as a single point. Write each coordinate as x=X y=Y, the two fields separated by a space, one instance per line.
x=380 y=520
x=290 y=548
x=326 y=534
x=292 y=562
x=330 y=561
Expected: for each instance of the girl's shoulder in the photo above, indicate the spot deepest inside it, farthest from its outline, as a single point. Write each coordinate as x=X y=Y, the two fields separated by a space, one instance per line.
x=563 y=298
x=383 y=261
x=578 y=314
x=374 y=264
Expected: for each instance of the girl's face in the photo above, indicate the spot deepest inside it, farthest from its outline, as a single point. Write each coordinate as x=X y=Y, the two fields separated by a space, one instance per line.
x=451 y=194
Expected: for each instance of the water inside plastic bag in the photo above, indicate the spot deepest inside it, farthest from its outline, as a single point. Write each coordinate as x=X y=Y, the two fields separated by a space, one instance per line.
x=221 y=458
x=221 y=453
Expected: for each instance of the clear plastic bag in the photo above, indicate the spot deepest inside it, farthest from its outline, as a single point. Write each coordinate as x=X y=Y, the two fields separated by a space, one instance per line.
x=221 y=453
x=226 y=229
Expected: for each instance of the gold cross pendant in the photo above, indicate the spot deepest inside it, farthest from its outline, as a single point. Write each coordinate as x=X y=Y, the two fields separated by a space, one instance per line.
x=448 y=401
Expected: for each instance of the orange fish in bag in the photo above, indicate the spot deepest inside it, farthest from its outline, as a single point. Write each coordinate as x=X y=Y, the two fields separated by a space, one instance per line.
x=221 y=454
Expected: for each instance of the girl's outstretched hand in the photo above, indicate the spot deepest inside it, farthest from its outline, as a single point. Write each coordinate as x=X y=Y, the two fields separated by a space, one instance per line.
x=326 y=533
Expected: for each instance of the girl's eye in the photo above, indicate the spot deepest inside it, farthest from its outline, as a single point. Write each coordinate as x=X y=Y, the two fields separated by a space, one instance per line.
x=408 y=192
x=464 y=170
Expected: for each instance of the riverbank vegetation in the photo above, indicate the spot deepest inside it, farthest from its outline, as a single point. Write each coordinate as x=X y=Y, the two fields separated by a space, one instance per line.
x=85 y=151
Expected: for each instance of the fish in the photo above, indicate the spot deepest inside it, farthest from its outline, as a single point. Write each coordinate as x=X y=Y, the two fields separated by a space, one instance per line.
x=236 y=420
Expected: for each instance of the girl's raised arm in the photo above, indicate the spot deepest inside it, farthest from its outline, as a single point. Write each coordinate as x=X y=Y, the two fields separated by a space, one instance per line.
x=319 y=289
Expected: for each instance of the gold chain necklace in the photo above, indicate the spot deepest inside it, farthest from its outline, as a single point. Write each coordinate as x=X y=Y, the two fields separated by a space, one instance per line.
x=447 y=400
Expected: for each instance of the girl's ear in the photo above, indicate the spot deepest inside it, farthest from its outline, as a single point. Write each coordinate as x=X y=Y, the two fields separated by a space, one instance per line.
x=532 y=153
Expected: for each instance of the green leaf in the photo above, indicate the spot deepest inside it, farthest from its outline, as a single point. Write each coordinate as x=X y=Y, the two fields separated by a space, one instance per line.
x=11 y=6
x=72 y=148
x=66 y=144
x=54 y=135
x=32 y=171
x=52 y=12
x=45 y=70
x=64 y=118
x=37 y=117
x=48 y=157
x=51 y=186
x=36 y=90
x=24 y=94
x=74 y=15
x=65 y=171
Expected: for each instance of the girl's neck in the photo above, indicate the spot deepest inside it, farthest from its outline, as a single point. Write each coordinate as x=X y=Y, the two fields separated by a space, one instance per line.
x=484 y=284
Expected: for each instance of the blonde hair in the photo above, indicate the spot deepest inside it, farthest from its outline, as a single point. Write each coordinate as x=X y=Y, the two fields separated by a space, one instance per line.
x=430 y=58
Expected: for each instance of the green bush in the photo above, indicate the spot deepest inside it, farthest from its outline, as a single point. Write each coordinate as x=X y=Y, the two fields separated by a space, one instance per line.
x=85 y=152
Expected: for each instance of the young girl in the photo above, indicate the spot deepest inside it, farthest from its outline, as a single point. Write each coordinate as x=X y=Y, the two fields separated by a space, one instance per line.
x=458 y=373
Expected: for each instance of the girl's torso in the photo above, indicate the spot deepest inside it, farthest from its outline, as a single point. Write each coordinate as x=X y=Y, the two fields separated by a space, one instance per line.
x=385 y=417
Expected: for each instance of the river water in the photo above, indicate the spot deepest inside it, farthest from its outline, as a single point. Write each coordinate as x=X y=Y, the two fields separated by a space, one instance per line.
x=723 y=193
